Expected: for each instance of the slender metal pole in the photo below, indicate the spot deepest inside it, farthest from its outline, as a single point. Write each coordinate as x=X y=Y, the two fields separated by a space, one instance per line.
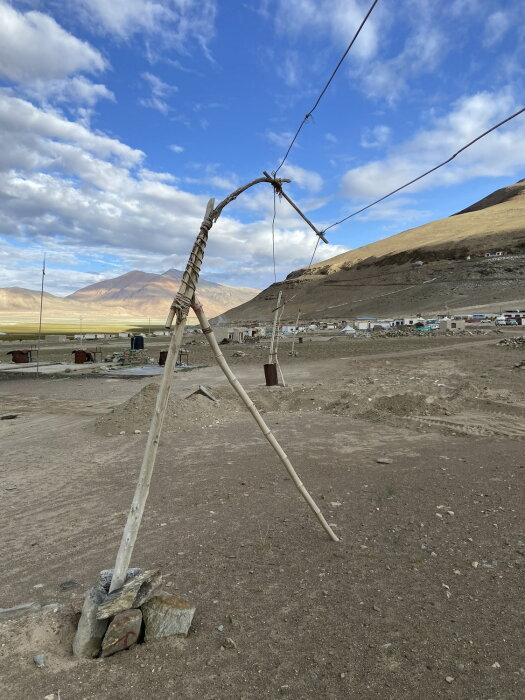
x=210 y=337
x=295 y=334
x=40 y=318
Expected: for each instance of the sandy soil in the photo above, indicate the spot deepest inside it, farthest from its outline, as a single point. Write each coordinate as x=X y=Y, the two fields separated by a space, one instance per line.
x=426 y=583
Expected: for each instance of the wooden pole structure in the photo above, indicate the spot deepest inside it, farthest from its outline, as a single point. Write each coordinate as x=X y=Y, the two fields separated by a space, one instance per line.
x=210 y=337
x=180 y=307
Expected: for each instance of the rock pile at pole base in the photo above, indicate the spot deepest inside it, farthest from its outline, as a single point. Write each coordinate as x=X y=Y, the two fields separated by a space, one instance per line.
x=112 y=622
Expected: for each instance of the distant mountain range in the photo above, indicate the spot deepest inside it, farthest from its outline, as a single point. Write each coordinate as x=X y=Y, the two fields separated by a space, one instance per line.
x=438 y=266
x=135 y=295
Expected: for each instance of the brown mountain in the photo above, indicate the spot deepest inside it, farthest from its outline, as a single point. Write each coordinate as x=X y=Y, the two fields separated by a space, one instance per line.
x=146 y=294
x=427 y=269
x=135 y=295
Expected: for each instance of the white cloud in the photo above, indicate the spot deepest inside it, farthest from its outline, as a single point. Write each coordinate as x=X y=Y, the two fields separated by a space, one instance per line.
x=159 y=92
x=376 y=136
x=163 y=23
x=502 y=153
x=337 y=19
x=73 y=91
x=289 y=68
x=282 y=139
x=496 y=26
x=331 y=138
x=175 y=148
x=79 y=193
x=34 y=47
x=306 y=179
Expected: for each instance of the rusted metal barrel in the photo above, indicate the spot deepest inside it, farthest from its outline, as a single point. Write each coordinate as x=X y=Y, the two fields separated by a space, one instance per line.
x=270 y=374
x=20 y=356
x=163 y=354
x=80 y=356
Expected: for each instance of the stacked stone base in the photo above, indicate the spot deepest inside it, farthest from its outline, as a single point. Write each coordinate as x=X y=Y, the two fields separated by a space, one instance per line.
x=138 y=611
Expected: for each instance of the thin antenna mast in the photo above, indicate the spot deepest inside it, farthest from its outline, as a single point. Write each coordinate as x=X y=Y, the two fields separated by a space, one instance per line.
x=40 y=317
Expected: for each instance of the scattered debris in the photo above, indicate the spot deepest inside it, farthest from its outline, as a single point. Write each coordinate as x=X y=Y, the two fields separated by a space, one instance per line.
x=517 y=342
x=39 y=660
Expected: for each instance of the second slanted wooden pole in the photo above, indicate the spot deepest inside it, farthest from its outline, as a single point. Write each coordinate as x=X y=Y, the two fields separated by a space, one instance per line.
x=235 y=383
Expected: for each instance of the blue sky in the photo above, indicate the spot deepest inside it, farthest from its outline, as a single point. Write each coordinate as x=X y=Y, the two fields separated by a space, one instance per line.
x=118 y=120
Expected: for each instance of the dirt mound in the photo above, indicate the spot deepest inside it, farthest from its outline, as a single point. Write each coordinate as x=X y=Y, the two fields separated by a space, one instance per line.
x=194 y=410
x=407 y=404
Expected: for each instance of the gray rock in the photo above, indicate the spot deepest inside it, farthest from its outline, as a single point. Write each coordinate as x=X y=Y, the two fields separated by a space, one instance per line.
x=166 y=615
x=229 y=643
x=384 y=460
x=134 y=592
x=18 y=610
x=105 y=577
x=39 y=660
x=123 y=632
x=90 y=631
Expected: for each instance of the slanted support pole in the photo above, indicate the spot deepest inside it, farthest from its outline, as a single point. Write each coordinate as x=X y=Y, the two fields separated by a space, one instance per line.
x=180 y=308
x=230 y=376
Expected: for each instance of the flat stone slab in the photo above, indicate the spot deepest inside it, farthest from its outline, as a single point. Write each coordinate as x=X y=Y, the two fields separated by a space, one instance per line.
x=123 y=632
x=133 y=593
x=167 y=615
x=90 y=631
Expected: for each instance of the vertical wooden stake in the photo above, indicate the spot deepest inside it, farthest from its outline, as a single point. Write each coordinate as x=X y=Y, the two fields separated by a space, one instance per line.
x=208 y=332
x=186 y=291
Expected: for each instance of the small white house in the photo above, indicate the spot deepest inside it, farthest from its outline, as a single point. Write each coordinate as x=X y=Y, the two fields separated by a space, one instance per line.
x=348 y=330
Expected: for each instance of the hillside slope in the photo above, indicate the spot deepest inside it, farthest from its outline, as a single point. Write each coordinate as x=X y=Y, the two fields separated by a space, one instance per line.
x=381 y=279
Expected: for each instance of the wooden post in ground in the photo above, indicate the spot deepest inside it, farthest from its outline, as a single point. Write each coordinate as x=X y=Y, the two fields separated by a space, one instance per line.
x=180 y=308
x=210 y=337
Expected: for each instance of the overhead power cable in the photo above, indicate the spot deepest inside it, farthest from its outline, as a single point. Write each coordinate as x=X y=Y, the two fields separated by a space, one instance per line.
x=309 y=114
x=420 y=177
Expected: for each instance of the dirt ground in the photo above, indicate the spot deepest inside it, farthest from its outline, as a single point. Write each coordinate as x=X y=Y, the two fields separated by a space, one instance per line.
x=422 y=597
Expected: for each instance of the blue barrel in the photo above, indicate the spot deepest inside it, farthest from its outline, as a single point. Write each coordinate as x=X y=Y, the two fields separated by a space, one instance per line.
x=137 y=342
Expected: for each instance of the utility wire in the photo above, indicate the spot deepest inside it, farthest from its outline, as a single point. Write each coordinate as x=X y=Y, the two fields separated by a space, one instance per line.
x=464 y=148
x=309 y=114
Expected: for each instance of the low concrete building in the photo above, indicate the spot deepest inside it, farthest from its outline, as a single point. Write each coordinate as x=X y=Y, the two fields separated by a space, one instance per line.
x=451 y=324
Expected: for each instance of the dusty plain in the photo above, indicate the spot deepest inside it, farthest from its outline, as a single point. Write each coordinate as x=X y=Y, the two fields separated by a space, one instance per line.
x=423 y=596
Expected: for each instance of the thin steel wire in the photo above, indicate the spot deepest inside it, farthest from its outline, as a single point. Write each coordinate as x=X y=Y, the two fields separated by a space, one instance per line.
x=273 y=237
x=420 y=177
x=309 y=114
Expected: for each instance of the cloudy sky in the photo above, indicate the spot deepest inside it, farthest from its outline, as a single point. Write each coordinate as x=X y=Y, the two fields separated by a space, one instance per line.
x=118 y=120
